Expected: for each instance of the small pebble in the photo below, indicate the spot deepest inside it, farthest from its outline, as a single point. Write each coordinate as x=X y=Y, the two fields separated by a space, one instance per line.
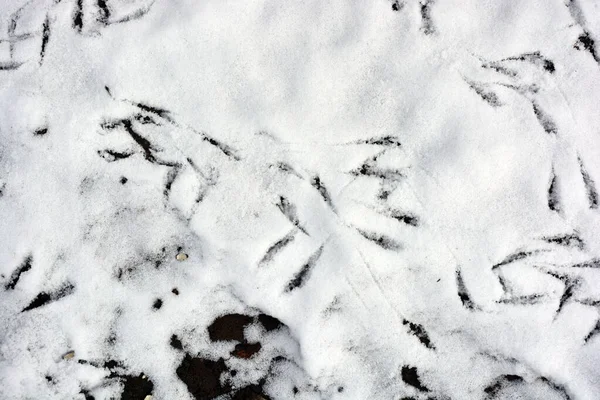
x=181 y=257
x=68 y=355
x=149 y=397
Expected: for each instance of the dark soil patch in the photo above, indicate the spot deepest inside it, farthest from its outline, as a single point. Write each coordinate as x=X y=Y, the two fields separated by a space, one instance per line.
x=246 y=350
x=136 y=388
x=176 y=343
x=269 y=323
x=202 y=377
x=229 y=327
x=410 y=376
x=252 y=392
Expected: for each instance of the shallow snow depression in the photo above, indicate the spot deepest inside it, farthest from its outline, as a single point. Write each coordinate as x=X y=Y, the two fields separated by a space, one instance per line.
x=299 y=200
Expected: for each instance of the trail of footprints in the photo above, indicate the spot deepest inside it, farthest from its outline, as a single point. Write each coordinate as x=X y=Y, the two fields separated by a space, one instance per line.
x=204 y=377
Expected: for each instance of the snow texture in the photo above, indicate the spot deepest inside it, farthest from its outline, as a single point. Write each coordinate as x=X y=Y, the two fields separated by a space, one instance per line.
x=251 y=200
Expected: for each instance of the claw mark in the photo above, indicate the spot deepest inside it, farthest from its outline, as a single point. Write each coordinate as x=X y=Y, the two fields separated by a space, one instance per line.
x=210 y=181
x=487 y=95
x=420 y=332
x=567 y=240
x=397 y=6
x=277 y=247
x=585 y=40
x=289 y=210
x=594 y=263
x=505 y=287
x=111 y=125
x=544 y=119
x=590 y=185
x=427 y=23
x=519 y=255
x=590 y=302
x=45 y=38
x=41 y=131
x=559 y=388
x=16 y=275
x=287 y=168
x=387 y=141
x=369 y=169
x=44 y=297
x=171 y=176
x=500 y=383
x=571 y=285
x=410 y=376
x=594 y=332
x=10 y=65
x=103 y=12
x=300 y=278
x=228 y=151
x=382 y=241
x=145 y=120
x=535 y=58
x=317 y=184
x=524 y=300
x=78 y=16
x=135 y=15
x=498 y=67
x=502 y=387
x=523 y=90
x=463 y=294
x=140 y=140
x=553 y=195
x=587 y=43
x=112 y=156
x=160 y=112
x=405 y=218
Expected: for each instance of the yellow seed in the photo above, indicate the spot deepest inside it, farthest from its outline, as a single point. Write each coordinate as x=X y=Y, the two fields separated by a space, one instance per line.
x=69 y=355
x=181 y=257
x=149 y=397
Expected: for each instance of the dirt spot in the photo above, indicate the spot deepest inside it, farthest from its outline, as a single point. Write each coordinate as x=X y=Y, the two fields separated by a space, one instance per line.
x=252 y=392
x=202 y=377
x=269 y=323
x=40 y=131
x=246 y=350
x=176 y=343
x=410 y=376
x=136 y=388
x=229 y=327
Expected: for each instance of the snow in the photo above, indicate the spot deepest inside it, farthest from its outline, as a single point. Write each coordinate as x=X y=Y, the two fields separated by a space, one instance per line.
x=411 y=188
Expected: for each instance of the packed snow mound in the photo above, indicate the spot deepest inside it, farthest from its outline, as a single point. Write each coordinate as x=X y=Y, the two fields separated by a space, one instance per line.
x=299 y=200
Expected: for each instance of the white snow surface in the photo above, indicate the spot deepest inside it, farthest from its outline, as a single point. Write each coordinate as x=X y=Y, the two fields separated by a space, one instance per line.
x=410 y=187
